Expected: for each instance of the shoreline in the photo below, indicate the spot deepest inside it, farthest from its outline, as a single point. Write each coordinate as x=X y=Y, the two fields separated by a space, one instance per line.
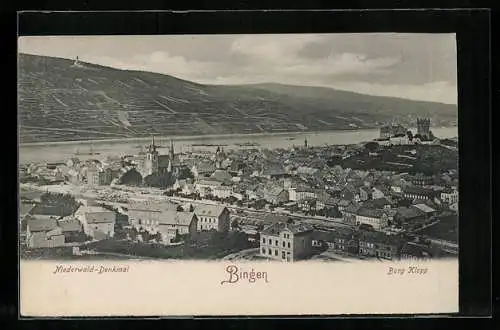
x=199 y=137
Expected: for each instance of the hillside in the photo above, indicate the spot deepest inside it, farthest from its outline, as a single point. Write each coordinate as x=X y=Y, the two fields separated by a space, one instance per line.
x=60 y=101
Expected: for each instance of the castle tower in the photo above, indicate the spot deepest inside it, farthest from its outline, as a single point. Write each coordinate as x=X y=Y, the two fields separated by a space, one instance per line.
x=423 y=126
x=151 y=161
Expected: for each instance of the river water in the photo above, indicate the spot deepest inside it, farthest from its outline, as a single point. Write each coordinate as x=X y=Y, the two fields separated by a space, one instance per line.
x=55 y=152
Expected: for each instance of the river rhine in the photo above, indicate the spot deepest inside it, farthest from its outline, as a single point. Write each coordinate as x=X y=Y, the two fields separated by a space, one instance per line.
x=55 y=152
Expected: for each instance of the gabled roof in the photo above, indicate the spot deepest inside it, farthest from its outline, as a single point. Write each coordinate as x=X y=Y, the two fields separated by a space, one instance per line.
x=273 y=190
x=417 y=250
x=296 y=229
x=274 y=169
x=25 y=208
x=424 y=208
x=377 y=203
x=372 y=213
x=41 y=223
x=379 y=238
x=221 y=175
x=177 y=218
x=409 y=212
x=70 y=225
x=419 y=191
x=209 y=210
x=354 y=208
x=101 y=217
x=205 y=167
x=209 y=182
x=152 y=206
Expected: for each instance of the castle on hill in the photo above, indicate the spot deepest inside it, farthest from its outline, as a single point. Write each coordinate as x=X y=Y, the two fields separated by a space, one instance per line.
x=397 y=130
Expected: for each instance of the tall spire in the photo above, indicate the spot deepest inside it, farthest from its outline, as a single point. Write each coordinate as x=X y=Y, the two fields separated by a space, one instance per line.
x=171 y=149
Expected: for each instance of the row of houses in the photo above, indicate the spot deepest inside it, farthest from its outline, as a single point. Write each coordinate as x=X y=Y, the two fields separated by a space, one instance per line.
x=99 y=223
x=380 y=214
x=169 y=221
x=52 y=231
x=290 y=242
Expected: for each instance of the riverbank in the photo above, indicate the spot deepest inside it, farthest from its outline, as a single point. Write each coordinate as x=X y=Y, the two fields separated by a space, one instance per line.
x=201 y=137
x=183 y=137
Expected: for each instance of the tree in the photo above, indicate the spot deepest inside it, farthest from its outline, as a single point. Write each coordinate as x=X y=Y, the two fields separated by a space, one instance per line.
x=157 y=180
x=132 y=178
x=372 y=146
x=180 y=209
x=235 y=225
x=410 y=135
x=185 y=173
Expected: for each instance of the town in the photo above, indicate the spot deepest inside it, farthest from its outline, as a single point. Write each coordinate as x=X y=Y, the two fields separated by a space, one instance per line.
x=395 y=197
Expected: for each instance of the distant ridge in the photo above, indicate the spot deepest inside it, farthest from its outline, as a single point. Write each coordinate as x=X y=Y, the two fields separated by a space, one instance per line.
x=61 y=102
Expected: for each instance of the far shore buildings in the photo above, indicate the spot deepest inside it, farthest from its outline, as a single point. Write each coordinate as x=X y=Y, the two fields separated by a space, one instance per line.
x=287 y=242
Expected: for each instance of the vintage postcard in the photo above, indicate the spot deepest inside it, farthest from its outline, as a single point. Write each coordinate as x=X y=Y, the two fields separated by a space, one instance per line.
x=287 y=174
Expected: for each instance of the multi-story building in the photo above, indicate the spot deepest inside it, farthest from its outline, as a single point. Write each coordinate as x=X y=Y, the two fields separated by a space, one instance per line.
x=96 y=221
x=376 y=218
x=344 y=240
x=415 y=192
x=148 y=214
x=276 y=195
x=380 y=245
x=420 y=179
x=94 y=175
x=286 y=241
x=449 y=196
x=210 y=217
x=175 y=223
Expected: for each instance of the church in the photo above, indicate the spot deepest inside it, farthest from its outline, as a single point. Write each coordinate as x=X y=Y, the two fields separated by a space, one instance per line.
x=154 y=163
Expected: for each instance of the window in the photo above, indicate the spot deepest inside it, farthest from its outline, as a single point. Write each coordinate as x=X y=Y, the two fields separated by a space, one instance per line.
x=263 y=251
x=288 y=244
x=283 y=255
x=264 y=240
x=276 y=252
x=269 y=252
x=276 y=243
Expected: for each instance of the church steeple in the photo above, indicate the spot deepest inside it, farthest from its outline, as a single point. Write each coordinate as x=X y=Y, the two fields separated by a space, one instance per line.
x=172 y=151
x=152 y=147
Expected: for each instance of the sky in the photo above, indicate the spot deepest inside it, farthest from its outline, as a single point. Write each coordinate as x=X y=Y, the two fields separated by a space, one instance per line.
x=411 y=66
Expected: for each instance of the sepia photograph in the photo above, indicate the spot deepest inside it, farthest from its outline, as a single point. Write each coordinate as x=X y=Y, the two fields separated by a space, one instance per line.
x=240 y=150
